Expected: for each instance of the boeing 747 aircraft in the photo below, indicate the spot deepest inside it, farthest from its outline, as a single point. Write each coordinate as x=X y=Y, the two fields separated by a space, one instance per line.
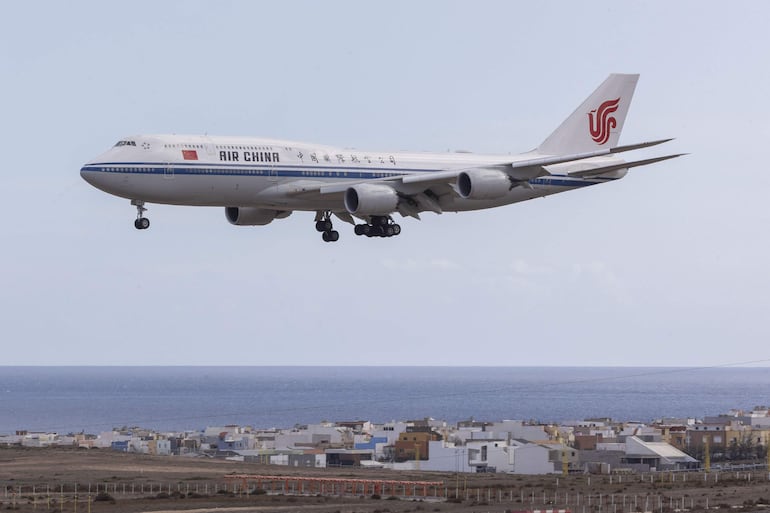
x=259 y=180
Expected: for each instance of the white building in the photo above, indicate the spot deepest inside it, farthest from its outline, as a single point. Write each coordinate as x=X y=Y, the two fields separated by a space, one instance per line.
x=517 y=429
x=105 y=439
x=9 y=440
x=490 y=456
x=446 y=457
x=529 y=458
x=658 y=455
x=39 y=439
x=312 y=434
x=643 y=431
x=389 y=430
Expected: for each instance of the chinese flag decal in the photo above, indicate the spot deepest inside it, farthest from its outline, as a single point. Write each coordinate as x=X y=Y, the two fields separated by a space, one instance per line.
x=190 y=154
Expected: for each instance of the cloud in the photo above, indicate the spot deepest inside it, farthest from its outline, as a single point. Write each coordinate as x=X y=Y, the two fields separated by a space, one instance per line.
x=420 y=265
x=524 y=268
x=603 y=277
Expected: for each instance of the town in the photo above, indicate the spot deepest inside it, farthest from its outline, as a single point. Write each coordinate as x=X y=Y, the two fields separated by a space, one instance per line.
x=595 y=445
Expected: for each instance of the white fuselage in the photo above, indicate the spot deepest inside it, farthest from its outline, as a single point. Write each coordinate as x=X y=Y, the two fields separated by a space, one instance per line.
x=266 y=173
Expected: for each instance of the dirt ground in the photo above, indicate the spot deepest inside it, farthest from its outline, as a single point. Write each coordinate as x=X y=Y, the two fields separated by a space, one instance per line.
x=49 y=480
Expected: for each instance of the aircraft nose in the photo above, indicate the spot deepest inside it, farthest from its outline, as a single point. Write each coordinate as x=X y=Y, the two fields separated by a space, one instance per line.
x=95 y=176
x=87 y=175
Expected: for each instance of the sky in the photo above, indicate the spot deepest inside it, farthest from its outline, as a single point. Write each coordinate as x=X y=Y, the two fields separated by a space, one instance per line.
x=667 y=267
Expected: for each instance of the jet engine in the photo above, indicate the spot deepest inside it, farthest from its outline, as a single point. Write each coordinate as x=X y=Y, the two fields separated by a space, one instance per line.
x=483 y=184
x=370 y=199
x=250 y=216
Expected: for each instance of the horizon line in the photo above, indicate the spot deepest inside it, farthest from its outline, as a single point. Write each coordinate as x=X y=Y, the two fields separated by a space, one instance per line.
x=750 y=364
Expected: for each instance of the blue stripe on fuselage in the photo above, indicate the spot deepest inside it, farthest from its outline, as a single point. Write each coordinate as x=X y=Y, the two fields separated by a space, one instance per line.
x=296 y=171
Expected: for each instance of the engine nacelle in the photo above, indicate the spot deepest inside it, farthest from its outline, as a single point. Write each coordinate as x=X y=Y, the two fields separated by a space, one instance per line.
x=370 y=199
x=483 y=184
x=250 y=216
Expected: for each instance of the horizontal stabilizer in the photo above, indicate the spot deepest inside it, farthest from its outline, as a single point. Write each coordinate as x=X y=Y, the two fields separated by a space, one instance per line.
x=631 y=147
x=625 y=165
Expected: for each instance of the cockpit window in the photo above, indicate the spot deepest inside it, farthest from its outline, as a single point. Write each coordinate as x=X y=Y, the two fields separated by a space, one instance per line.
x=125 y=143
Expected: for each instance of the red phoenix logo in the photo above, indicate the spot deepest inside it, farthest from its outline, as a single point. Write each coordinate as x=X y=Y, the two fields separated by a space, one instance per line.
x=600 y=122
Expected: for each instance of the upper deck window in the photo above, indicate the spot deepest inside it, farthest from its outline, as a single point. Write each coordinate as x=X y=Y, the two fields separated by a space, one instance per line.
x=125 y=143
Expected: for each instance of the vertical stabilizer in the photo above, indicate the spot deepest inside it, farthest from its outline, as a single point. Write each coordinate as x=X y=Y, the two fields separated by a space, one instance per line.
x=597 y=123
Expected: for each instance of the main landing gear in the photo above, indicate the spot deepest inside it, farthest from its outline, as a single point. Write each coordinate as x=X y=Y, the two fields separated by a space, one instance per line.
x=141 y=223
x=324 y=225
x=379 y=226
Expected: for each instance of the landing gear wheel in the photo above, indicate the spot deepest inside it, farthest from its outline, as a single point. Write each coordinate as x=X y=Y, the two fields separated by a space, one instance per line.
x=141 y=223
x=323 y=224
x=331 y=236
x=378 y=226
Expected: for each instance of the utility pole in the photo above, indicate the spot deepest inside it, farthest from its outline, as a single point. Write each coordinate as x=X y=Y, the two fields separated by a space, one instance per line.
x=707 y=456
x=564 y=462
x=457 y=473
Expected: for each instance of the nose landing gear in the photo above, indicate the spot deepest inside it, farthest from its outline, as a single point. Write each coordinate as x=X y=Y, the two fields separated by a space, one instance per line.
x=141 y=223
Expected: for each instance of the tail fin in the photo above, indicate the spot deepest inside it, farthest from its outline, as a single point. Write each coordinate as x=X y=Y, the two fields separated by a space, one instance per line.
x=597 y=123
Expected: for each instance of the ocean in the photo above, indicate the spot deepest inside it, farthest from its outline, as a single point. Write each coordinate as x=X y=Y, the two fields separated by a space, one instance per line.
x=95 y=399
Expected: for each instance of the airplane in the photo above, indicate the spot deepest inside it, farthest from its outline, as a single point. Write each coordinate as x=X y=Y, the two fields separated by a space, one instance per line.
x=260 y=180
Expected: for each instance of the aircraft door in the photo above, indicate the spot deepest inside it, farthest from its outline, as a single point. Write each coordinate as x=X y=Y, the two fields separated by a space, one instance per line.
x=168 y=171
x=272 y=172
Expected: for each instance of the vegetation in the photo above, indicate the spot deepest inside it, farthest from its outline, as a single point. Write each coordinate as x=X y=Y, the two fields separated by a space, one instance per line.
x=742 y=449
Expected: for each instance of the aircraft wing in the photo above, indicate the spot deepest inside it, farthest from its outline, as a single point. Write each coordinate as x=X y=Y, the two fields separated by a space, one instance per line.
x=520 y=170
x=424 y=189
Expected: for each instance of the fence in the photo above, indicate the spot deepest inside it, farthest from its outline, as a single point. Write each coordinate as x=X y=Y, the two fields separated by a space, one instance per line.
x=553 y=492
x=299 y=485
x=583 y=503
